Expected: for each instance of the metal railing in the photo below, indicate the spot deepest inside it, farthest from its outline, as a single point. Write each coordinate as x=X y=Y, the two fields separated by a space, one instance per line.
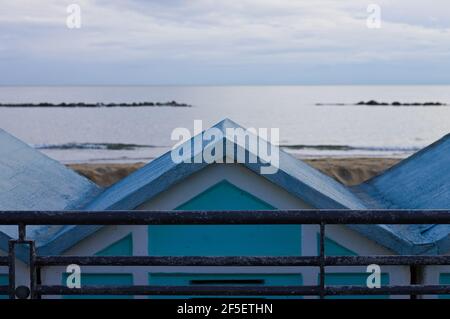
x=37 y=289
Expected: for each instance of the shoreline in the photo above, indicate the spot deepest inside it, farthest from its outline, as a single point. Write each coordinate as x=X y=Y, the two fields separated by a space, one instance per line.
x=347 y=170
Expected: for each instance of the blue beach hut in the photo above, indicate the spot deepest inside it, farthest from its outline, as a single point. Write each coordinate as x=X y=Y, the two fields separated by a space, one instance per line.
x=167 y=185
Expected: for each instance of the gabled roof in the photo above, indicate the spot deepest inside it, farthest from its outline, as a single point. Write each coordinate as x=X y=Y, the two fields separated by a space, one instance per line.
x=316 y=189
x=160 y=174
x=298 y=178
x=294 y=176
x=31 y=181
x=422 y=181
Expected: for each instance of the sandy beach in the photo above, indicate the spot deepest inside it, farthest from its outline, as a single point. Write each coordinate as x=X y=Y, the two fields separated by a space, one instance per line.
x=350 y=171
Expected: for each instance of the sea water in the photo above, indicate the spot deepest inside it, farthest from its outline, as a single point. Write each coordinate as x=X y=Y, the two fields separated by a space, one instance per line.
x=125 y=134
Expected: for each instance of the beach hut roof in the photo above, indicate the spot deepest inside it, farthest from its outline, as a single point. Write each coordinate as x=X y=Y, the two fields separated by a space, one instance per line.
x=298 y=178
x=159 y=175
x=294 y=176
x=417 y=182
x=420 y=182
x=30 y=180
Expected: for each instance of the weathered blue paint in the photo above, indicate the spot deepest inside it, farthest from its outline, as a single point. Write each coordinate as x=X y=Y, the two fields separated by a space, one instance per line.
x=101 y=279
x=420 y=182
x=356 y=279
x=235 y=240
x=332 y=248
x=3 y=282
x=30 y=180
x=181 y=279
x=122 y=247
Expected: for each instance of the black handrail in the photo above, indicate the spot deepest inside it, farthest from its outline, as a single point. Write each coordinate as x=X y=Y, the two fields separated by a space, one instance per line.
x=281 y=217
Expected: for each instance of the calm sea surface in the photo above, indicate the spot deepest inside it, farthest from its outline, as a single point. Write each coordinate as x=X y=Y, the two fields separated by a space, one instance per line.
x=92 y=134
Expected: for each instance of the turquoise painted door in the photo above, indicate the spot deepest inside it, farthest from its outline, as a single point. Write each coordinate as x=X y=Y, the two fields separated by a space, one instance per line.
x=235 y=240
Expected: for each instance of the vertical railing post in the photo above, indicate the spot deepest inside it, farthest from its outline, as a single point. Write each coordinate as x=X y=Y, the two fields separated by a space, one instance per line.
x=12 y=269
x=38 y=282
x=414 y=278
x=21 y=292
x=22 y=232
x=322 y=260
x=32 y=269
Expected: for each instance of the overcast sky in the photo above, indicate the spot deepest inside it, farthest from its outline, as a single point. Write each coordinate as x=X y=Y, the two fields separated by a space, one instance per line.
x=138 y=42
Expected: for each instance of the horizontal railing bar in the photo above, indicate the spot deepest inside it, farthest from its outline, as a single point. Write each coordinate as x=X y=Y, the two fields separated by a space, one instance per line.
x=239 y=261
x=281 y=217
x=225 y=217
x=389 y=290
x=242 y=290
x=405 y=260
x=181 y=290
x=175 y=261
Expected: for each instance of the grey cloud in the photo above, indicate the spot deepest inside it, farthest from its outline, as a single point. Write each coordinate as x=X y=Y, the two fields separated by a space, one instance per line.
x=265 y=33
